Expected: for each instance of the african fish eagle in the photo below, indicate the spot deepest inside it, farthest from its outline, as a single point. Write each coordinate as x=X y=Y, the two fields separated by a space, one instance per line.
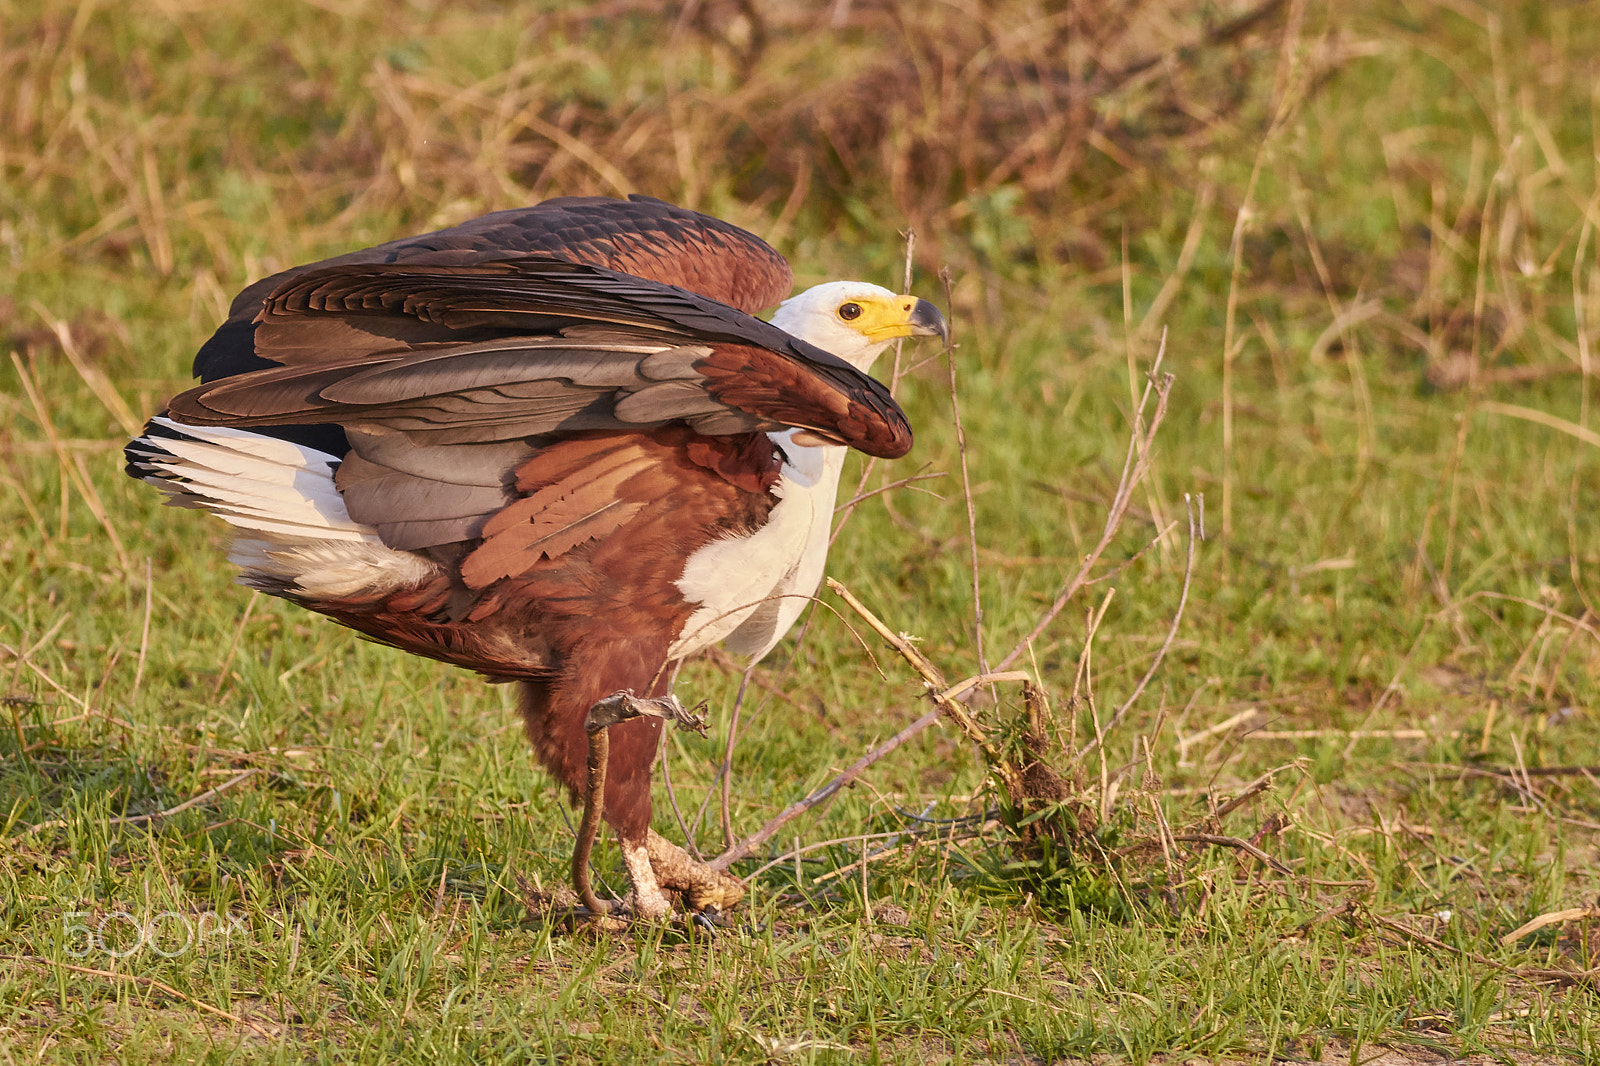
x=552 y=445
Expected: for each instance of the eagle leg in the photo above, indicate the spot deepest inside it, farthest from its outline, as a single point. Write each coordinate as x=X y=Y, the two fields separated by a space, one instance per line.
x=649 y=902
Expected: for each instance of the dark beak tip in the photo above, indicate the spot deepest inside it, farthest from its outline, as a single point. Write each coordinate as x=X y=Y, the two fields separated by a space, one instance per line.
x=927 y=320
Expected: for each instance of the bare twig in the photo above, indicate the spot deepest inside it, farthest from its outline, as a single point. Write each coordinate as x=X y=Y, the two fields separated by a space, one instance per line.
x=148 y=982
x=22 y=657
x=910 y=235
x=966 y=495
x=1234 y=842
x=1249 y=792
x=1172 y=631
x=140 y=819
x=750 y=843
x=943 y=700
x=891 y=486
x=948 y=699
x=794 y=853
x=209 y=794
x=672 y=800
x=1135 y=466
x=931 y=675
x=1539 y=771
x=1341 y=734
x=1187 y=742
x=898 y=641
x=725 y=662
x=893 y=848
x=1576 y=914
x=1533 y=973
x=1083 y=672
x=727 y=758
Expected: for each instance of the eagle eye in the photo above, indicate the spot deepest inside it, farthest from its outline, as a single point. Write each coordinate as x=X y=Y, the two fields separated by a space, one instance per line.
x=850 y=312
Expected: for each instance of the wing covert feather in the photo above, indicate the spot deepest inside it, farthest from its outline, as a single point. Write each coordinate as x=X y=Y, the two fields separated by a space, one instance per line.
x=642 y=236
x=723 y=370
x=576 y=314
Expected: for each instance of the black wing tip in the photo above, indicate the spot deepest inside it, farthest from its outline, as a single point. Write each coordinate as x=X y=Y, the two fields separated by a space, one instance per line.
x=138 y=453
x=229 y=351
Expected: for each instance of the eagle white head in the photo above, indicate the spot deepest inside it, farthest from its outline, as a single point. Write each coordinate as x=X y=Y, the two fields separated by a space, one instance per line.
x=856 y=320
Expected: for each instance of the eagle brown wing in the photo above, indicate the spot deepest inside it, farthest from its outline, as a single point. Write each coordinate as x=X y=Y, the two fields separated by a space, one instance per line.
x=428 y=363
x=518 y=348
x=641 y=236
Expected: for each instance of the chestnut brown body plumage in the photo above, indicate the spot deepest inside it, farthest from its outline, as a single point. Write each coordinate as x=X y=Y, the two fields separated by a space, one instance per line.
x=511 y=446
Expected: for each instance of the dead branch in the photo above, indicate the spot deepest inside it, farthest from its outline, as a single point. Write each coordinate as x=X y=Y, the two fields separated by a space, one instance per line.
x=1527 y=973
x=750 y=843
x=1134 y=468
x=1576 y=914
x=1166 y=645
x=140 y=819
x=727 y=757
x=895 y=848
x=902 y=483
x=966 y=493
x=949 y=700
x=943 y=831
x=943 y=700
x=1536 y=771
x=944 y=697
x=1234 y=842
x=148 y=982
x=1250 y=791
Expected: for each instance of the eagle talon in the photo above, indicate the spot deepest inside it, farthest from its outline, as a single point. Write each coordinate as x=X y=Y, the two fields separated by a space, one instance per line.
x=707 y=889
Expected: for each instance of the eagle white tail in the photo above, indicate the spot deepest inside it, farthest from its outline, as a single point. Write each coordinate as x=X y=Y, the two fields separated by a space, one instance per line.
x=249 y=480
x=296 y=534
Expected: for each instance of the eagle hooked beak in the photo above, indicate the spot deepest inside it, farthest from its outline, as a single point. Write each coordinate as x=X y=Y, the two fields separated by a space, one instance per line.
x=926 y=321
x=909 y=317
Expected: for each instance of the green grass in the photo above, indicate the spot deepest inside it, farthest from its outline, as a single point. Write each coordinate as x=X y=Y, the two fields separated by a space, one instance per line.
x=1393 y=546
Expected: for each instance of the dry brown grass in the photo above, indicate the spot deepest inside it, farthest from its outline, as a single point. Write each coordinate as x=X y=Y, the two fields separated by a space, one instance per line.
x=1015 y=124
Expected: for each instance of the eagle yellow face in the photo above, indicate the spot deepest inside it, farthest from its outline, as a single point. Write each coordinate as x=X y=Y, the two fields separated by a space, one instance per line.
x=856 y=321
x=883 y=318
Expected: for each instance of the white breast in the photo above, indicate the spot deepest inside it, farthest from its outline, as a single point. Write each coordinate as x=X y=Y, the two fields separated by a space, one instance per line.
x=751 y=589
